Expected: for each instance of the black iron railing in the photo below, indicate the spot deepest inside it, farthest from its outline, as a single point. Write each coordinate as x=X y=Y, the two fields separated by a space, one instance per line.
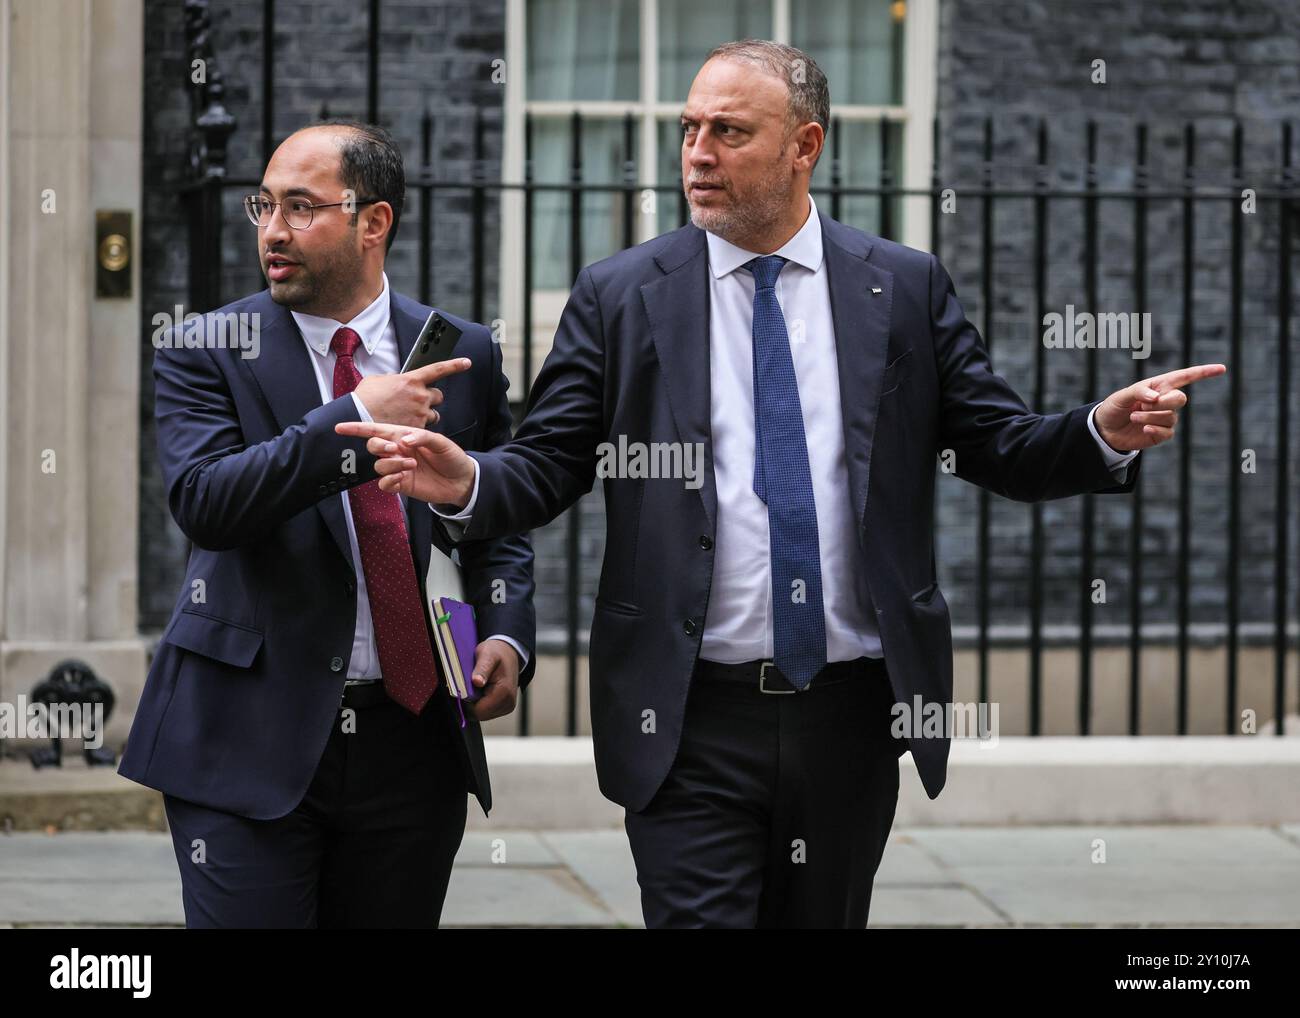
x=1041 y=201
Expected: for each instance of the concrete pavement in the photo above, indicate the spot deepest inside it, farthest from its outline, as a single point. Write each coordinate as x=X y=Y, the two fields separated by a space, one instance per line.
x=1200 y=876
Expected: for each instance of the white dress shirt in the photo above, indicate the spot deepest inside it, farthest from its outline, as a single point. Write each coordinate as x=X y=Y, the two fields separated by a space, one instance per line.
x=378 y=354
x=738 y=626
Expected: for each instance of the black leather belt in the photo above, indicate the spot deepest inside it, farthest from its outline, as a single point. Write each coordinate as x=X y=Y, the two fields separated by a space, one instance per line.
x=767 y=678
x=363 y=694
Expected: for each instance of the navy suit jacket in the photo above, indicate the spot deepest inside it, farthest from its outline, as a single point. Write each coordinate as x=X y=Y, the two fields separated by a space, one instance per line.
x=631 y=357
x=246 y=682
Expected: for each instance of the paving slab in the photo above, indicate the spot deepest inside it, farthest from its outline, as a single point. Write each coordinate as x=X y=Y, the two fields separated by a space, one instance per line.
x=907 y=862
x=1108 y=876
x=95 y=903
x=602 y=860
x=1172 y=845
x=88 y=856
x=918 y=906
x=505 y=848
x=1193 y=876
x=1113 y=895
x=517 y=897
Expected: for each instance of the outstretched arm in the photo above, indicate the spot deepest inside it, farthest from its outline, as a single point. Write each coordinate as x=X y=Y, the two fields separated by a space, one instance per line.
x=549 y=464
x=1002 y=445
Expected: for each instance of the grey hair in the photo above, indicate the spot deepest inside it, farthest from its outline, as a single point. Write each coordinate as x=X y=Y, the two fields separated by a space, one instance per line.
x=809 y=92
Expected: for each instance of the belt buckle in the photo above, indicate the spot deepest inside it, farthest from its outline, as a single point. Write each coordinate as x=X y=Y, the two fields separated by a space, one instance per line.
x=762 y=680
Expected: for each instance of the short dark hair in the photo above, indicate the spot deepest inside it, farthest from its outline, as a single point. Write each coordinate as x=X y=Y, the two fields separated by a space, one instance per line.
x=810 y=94
x=370 y=163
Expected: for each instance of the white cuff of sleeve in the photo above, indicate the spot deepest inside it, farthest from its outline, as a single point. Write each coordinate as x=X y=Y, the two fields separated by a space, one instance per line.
x=464 y=514
x=1117 y=461
x=523 y=654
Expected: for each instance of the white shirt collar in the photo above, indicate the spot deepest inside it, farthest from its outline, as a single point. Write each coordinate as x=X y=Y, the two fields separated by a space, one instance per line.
x=370 y=325
x=804 y=248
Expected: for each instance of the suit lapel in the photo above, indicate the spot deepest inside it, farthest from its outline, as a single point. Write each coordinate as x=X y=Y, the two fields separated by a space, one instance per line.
x=285 y=374
x=861 y=319
x=406 y=325
x=286 y=377
x=677 y=306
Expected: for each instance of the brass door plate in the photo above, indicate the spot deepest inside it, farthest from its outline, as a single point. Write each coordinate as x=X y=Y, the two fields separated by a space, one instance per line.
x=113 y=253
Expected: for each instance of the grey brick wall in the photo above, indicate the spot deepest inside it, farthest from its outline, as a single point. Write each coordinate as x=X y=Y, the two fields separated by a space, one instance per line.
x=434 y=56
x=1166 y=64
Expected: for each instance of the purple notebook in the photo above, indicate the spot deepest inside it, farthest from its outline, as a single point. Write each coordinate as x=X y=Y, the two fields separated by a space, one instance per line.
x=456 y=637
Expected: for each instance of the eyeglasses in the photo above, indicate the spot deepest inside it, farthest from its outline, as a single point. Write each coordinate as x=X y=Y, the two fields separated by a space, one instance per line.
x=297 y=212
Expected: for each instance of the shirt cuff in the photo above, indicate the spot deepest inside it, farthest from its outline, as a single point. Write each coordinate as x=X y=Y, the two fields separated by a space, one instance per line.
x=1117 y=461
x=464 y=514
x=361 y=408
x=523 y=654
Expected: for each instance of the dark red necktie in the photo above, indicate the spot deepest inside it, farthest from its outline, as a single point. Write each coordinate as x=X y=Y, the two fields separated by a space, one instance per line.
x=396 y=609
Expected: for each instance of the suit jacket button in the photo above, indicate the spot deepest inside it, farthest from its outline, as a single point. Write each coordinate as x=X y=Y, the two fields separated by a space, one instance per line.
x=336 y=664
x=350 y=587
x=689 y=627
x=706 y=542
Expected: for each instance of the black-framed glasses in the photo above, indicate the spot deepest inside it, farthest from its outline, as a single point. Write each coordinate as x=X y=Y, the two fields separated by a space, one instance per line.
x=297 y=212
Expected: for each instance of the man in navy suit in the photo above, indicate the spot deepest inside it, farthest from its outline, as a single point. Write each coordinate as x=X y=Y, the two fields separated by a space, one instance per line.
x=315 y=769
x=753 y=632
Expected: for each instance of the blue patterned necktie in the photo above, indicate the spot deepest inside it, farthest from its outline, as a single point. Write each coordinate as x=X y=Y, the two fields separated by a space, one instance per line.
x=783 y=480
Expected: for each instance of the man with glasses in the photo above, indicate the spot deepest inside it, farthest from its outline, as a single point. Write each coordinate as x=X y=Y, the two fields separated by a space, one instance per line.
x=314 y=767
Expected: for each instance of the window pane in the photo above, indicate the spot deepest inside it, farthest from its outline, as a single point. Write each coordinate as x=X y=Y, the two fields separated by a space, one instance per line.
x=670 y=204
x=688 y=29
x=583 y=49
x=860 y=166
x=603 y=156
x=858 y=43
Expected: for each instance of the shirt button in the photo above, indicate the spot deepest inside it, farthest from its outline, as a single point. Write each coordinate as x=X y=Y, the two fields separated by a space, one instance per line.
x=689 y=627
x=336 y=664
x=706 y=542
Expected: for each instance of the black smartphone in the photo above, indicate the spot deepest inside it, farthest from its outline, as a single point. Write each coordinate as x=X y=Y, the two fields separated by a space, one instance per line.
x=436 y=342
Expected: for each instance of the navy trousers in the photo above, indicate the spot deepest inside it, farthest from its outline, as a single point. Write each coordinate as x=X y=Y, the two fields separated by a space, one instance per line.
x=370 y=845
x=776 y=810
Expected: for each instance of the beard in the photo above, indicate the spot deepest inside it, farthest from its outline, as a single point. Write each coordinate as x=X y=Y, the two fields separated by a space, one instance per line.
x=320 y=286
x=748 y=213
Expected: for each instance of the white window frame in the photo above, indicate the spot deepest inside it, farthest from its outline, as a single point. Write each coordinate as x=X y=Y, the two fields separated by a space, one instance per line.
x=915 y=114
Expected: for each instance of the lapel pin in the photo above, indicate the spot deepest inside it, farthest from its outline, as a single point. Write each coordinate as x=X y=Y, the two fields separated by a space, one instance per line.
x=875 y=289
